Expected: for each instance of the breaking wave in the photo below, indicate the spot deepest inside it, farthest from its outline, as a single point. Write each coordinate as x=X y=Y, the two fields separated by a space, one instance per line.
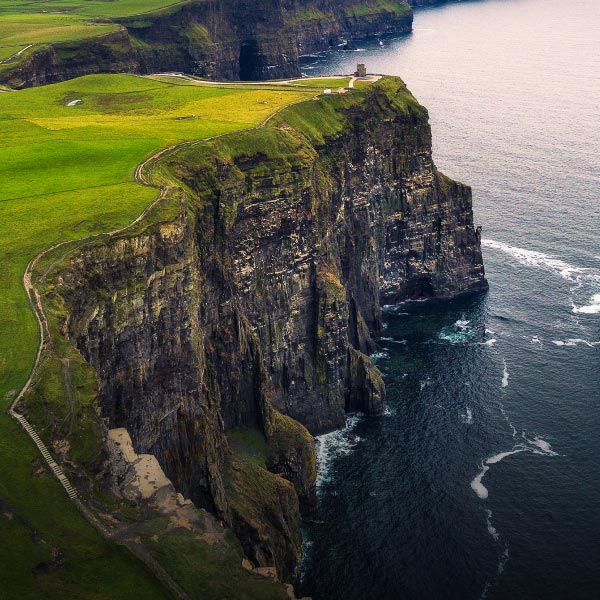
x=583 y=278
x=590 y=309
x=459 y=332
x=333 y=445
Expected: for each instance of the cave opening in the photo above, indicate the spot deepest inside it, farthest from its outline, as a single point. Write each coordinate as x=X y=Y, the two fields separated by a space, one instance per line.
x=250 y=61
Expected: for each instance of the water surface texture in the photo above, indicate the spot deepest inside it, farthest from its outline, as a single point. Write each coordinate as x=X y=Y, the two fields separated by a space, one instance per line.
x=483 y=480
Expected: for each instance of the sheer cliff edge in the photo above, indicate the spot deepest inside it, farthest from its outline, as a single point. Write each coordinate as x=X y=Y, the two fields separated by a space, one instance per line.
x=223 y=332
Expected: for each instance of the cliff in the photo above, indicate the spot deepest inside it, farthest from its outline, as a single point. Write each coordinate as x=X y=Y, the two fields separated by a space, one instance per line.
x=219 y=39
x=221 y=335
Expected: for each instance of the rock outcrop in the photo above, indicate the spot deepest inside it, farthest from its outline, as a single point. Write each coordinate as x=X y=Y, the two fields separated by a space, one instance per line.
x=254 y=307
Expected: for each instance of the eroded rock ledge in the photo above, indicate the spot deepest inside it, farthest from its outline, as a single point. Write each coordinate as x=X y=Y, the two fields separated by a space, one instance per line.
x=250 y=315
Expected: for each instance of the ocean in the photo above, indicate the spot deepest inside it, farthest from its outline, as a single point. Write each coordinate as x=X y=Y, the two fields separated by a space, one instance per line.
x=483 y=478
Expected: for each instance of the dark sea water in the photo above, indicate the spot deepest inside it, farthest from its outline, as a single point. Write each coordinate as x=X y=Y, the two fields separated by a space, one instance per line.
x=483 y=480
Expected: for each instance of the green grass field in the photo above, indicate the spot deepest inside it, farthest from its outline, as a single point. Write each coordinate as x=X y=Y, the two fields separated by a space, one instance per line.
x=68 y=154
x=94 y=8
x=25 y=29
x=39 y=22
x=68 y=172
x=324 y=82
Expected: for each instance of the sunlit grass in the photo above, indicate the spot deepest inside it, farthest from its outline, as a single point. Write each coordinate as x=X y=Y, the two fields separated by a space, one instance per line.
x=68 y=172
x=24 y=22
x=114 y=8
x=59 y=161
x=324 y=82
x=24 y=28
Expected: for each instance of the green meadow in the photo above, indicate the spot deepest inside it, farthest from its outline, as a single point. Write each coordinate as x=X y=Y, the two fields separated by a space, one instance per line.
x=39 y=22
x=68 y=153
x=93 y=8
x=324 y=82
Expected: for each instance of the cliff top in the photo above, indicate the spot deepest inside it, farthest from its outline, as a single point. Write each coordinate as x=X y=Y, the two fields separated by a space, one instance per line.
x=27 y=26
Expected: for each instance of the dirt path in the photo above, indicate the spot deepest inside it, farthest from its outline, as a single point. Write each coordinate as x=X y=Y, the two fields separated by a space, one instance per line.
x=15 y=55
x=198 y=81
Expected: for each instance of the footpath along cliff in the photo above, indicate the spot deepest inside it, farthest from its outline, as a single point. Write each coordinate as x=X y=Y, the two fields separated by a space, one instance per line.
x=222 y=337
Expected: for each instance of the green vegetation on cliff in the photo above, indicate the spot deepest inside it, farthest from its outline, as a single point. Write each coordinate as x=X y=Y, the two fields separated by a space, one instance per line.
x=68 y=172
x=68 y=158
x=395 y=7
x=30 y=26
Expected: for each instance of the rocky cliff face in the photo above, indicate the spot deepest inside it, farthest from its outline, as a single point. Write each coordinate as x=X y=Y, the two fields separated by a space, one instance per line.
x=240 y=39
x=254 y=308
x=221 y=39
x=112 y=53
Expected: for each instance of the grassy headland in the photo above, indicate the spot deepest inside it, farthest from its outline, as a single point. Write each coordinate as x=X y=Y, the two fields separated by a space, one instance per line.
x=68 y=155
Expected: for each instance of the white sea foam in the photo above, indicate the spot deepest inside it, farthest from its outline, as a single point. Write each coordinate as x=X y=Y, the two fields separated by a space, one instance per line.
x=467 y=417
x=543 y=445
x=499 y=570
x=532 y=258
x=536 y=445
x=476 y=484
x=392 y=340
x=425 y=383
x=536 y=340
x=491 y=529
x=580 y=276
x=503 y=560
x=379 y=356
x=590 y=309
x=487 y=586
x=396 y=308
x=459 y=332
x=504 y=374
x=574 y=341
x=508 y=421
x=332 y=445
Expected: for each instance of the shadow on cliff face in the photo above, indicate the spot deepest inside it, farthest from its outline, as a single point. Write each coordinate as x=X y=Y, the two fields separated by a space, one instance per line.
x=251 y=67
x=253 y=309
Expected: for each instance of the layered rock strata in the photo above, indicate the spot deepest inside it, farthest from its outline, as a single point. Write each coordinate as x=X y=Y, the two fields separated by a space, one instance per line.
x=253 y=310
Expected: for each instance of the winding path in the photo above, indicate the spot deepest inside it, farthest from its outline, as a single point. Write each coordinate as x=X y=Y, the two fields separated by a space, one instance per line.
x=45 y=343
x=142 y=176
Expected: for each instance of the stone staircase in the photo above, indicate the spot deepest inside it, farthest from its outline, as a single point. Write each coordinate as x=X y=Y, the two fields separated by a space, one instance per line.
x=56 y=468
